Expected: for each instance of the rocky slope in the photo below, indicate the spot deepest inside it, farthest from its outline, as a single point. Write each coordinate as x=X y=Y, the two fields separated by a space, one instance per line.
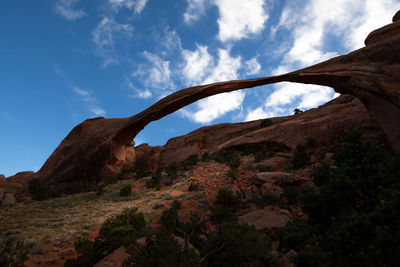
x=325 y=125
x=49 y=228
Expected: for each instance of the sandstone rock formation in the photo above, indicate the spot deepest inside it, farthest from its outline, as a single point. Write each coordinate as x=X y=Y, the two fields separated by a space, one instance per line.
x=266 y=219
x=325 y=124
x=115 y=259
x=99 y=147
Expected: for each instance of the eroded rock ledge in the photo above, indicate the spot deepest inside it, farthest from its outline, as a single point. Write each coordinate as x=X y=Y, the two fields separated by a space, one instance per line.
x=100 y=147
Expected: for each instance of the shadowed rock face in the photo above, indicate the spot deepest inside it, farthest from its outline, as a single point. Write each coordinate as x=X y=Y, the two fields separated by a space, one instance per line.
x=98 y=147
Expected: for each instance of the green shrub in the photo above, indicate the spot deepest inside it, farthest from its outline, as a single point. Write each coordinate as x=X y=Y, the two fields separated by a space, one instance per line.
x=169 y=218
x=224 y=207
x=39 y=189
x=13 y=253
x=297 y=111
x=193 y=187
x=352 y=218
x=311 y=142
x=300 y=158
x=220 y=214
x=161 y=249
x=252 y=148
x=249 y=167
x=235 y=245
x=100 y=191
x=268 y=199
x=172 y=173
x=263 y=168
x=230 y=158
x=154 y=181
x=262 y=154
x=141 y=168
x=232 y=174
x=120 y=230
x=205 y=157
x=226 y=198
x=125 y=191
x=190 y=162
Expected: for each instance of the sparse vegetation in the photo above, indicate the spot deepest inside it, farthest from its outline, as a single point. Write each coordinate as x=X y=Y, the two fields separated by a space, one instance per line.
x=188 y=163
x=301 y=158
x=125 y=191
x=121 y=230
x=154 y=181
x=230 y=158
x=268 y=199
x=263 y=168
x=353 y=217
x=141 y=168
x=297 y=111
x=13 y=252
x=38 y=189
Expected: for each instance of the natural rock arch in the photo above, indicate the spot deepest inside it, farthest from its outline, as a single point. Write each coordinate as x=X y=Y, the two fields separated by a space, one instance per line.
x=98 y=147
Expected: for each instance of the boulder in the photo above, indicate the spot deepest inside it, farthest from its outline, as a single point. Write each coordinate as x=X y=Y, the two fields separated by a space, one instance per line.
x=325 y=124
x=150 y=154
x=11 y=187
x=265 y=219
x=234 y=189
x=276 y=163
x=115 y=259
x=23 y=178
x=269 y=188
x=8 y=199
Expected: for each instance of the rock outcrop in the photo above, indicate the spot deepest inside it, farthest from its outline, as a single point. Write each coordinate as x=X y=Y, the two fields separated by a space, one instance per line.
x=266 y=219
x=98 y=147
x=325 y=124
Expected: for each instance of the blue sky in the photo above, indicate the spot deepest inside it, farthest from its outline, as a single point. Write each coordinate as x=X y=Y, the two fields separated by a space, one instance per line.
x=63 y=61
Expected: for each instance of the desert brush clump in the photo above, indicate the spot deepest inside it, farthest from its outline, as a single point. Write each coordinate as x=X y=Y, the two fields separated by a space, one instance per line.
x=13 y=252
x=38 y=189
x=125 y=191
x=154 y=181
x=352 y=212
x=120 y=230
x=225 y=244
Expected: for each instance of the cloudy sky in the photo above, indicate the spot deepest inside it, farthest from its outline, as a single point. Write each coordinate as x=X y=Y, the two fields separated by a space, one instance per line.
x=63 y=61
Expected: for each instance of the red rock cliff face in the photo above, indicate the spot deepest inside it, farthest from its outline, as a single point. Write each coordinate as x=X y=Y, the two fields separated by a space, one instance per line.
x=325 y=125
x=98 y=147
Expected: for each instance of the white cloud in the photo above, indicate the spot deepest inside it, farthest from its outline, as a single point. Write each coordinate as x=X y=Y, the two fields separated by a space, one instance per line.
x=289 y=96
x=226 y=69
x=171 y=41
x=253 y=67
x=92 y=104
x=240 y=18
x=156 y=74
x=197 y=64
x=65 y=10
x=312 y=26
x=213 y=107
x=136 y=5
x=317 y=20
x=194 y=10
x=143 y=94
x=104 y=36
